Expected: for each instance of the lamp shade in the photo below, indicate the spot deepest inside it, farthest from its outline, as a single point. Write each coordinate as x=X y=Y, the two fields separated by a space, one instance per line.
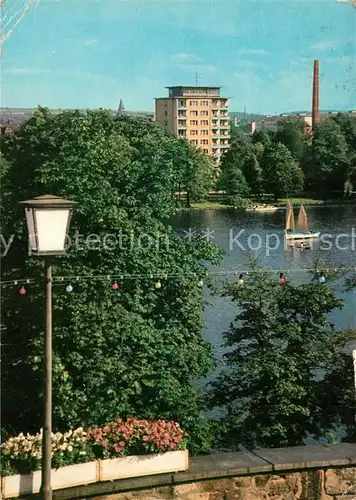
x=48 y=219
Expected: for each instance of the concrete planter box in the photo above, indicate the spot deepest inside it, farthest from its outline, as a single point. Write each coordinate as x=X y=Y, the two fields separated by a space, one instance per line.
x=91 y=472
x=143 y=465
x=72 y=475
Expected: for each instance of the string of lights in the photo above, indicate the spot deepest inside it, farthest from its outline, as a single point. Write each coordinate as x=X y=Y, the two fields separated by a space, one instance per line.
x=115 y=278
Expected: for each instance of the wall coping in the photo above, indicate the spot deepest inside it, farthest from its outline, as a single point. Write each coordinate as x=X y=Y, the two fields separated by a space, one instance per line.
x=223 y=465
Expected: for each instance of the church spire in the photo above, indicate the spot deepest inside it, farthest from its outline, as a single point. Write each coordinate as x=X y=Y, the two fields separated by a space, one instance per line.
x=121 y=109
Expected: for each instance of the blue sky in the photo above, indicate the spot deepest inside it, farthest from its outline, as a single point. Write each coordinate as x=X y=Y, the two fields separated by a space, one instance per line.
x=89 y=54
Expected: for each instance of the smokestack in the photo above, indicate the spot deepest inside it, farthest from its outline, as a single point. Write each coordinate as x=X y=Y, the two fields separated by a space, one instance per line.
x=315 y=109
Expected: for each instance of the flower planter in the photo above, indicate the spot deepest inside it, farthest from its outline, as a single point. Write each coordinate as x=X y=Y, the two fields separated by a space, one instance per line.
x=72 y=475
x=143 y=465
x=91 y=472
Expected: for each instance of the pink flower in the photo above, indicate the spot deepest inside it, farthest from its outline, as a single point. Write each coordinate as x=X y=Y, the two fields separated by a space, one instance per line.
x=122 y=444
x=145 y=438
x=105 y=443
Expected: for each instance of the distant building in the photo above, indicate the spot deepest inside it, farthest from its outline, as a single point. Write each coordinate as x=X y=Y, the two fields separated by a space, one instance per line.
x=121 y=109
x=270 y=122
x=199 y=114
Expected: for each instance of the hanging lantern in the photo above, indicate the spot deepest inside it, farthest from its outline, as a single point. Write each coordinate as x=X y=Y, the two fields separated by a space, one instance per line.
x=22 y=290
x=241 y=280
x=115 y=285
x=201 y=283
x=282 y=279
x=69 y=288
x=322 y=278
x=158 y=285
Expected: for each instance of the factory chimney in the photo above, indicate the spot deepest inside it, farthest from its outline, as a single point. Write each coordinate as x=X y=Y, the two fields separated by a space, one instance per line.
x=315 y=108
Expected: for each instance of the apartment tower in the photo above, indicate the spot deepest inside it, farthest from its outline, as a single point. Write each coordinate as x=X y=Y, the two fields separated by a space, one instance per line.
x=199 y=114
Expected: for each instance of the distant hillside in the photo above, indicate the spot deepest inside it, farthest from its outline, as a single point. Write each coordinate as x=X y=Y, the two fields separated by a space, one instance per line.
x=15 y=116
x=250 y=117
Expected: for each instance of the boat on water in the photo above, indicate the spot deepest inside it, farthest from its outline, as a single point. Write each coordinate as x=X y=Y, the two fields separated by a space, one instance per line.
x=262 y=208
x=302 y=232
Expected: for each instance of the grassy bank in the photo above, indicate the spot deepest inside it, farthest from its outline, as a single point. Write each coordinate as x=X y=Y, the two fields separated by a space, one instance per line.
x=219 y=202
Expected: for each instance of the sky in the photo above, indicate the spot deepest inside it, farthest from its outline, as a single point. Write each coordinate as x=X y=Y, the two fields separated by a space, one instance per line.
x=89 y=54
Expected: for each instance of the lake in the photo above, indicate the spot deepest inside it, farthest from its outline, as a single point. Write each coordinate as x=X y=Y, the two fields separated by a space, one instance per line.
x=239 y=232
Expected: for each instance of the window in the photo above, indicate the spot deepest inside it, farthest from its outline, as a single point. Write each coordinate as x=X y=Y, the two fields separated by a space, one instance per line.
x=182 y=103
x=193 y=132
x=182 y=132
x=204 y=103
x=194 y=113
x=165 y=113
x=204 y=113
x=193 y=103
x=194 y=122
x=204 y=122
x=206 y=150
x=165 y=103
x=194 y=141
x=204 y=132
x=165 y=123
x=204 y=141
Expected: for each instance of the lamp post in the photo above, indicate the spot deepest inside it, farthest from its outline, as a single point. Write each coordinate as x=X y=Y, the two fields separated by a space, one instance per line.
x=48 y=219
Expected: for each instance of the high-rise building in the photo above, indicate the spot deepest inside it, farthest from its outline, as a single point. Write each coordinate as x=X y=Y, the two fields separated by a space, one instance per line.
x=199 y=114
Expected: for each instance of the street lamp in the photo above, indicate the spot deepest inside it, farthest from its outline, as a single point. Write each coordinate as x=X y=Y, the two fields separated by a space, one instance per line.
x=48 y=218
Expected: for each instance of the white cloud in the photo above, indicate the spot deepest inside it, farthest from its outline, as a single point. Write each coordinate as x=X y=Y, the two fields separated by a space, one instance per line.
x=200 y=68
x=331 y=44
x=73 y=73
x=248 y=65
x=183 y=57
x=93 y=42
x=257 y=52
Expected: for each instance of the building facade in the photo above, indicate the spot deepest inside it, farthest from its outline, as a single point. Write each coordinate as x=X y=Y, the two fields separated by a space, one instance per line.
x=198 y=114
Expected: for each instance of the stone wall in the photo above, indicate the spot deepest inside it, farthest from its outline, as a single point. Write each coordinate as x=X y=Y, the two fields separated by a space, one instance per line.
x=316 y=472
x=332 y=484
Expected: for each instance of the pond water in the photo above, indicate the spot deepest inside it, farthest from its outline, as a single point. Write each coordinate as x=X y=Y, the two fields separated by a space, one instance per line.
x=239 y=232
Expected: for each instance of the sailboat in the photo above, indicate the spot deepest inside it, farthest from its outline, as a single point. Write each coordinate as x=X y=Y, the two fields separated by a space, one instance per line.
x=302 y=224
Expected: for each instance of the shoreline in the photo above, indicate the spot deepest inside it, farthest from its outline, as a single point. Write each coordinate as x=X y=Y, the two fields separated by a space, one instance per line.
x=279 y=205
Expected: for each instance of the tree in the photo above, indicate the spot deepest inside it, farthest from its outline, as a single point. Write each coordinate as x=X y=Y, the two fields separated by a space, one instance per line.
x=327 y=160
x=347 y=124
x=280 y=340
x=281 y=174
x=264 y=137
x=290 y=132
x=236 y=162
x=135 y=352
x=197 y=172
x=192 y=170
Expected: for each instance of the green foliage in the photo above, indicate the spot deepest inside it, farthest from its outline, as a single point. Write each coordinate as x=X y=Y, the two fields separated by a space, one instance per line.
x=237 y=161
x=281 y=342
x=264 y=137
x=282 y=175
x=135 y=352
x=290 y=132
x=327 y=159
